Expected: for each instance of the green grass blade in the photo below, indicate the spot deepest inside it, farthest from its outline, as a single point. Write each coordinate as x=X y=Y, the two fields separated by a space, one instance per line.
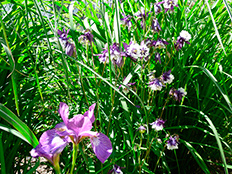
x=228 y=9
x=12 y=65
x=2 y=158
x=12 y=119
x=106 y=81
x=215 y=26
x=14 y=132
x=196 y=156
x=211 y=125
x=33 y=169
x=214 y=80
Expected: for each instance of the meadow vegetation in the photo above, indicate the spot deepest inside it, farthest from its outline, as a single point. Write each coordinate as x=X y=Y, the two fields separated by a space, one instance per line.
x=125 y=86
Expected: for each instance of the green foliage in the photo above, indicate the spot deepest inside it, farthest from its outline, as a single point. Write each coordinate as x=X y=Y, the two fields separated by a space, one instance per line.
x=36 y=75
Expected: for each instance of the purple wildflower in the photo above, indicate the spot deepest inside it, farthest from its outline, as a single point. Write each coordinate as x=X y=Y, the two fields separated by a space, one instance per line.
x=183 y=38
x=158 y=124
x=126 y=21
x=63 y=34
x=135 y=51
x=104 y=56
x=116 y=170
x=172 y=143
x=156 y=84
x=167 y=77
x=178 y=94
x=141 y=129
x=50 y=146
x=157 y=58
x=160 y=44
x=144 y=51
x=78 y=127
x=169 y=4
x=116 y=55
x=155 y=25
x=157 y=7
x=132 y=50
x=86 y=38
x=142 y=15
x=69 y=48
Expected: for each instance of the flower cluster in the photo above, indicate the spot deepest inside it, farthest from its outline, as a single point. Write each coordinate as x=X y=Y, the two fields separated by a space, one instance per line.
x=73 y=130
x=157 y=84
x=68 y=46
x=135 y=51
x=172 y=142
x=116 y=55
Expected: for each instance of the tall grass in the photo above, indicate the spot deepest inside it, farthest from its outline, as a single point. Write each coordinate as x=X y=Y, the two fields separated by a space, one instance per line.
x=36 y=75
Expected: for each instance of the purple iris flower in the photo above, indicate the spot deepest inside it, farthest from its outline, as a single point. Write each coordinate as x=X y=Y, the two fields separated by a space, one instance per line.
x=155 y=84
x=155 y=25
x=160 y=44
x=178 y=94
x=158 y=124
x=126 y=21
x=172 y=143
x=79 y=127
x=116 y=170
x=86 y=38
x=157 y=58
x=50 y=146
x=170 y=4
x=167 y=77
x=63 y=34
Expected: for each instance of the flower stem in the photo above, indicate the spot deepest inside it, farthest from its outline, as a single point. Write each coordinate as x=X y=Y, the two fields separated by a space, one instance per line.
x=56 y=163
x=74 y=157
x=177 y=161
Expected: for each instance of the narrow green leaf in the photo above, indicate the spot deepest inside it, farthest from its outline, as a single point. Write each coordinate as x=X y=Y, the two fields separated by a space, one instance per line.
x=33 y=169
x=14 y=132
x=210 y=75
x=12 y=119
x=2 y=158
x=196 y=156
x=211 y=125
x=215 y=26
